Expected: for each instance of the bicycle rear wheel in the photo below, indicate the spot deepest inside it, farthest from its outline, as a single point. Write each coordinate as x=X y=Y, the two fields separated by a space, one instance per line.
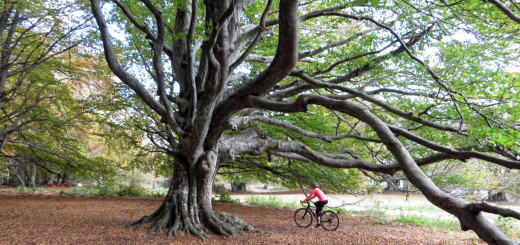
x=329 y=221
x=302 y=217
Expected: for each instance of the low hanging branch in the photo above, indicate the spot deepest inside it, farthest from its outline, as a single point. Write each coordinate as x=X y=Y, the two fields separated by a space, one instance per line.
x=488 y=208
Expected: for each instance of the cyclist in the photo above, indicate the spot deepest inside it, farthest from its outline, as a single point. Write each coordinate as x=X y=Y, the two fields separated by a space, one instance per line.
x=322 y=200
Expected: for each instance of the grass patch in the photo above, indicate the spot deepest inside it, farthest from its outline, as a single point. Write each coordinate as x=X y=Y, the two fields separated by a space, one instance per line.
x=272 y=201
x=336 y=210
x=76 y=191
x=9 y=190
x=422 y=209
x=23 y=190
x=420 y=220
x=370 y=212
x=39 y=189
x=509 y=226
x=377 y=210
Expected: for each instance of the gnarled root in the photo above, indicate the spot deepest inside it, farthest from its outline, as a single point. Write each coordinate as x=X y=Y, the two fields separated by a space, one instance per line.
x=227 y=224
x=219 y=223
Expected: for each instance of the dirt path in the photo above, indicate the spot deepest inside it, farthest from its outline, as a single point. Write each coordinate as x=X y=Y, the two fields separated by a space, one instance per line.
x=40 y=219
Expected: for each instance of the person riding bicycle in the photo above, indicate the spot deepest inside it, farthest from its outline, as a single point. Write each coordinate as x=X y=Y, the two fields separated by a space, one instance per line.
x=322 y=200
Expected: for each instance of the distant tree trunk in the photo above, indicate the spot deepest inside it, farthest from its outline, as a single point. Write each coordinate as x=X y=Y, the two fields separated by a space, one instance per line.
x=5 y=178
x=49 y=180
x=238 y=186
x=60 y=180
x=497 y=197
x=68 y=180
x=33 y=170
x=395 y=185
x=19 y=179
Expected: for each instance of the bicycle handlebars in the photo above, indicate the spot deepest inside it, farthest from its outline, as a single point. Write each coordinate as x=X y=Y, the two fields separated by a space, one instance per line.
x=307 y=202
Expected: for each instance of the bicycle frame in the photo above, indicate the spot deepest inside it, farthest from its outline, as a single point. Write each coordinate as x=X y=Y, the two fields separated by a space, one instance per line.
x=310 y=209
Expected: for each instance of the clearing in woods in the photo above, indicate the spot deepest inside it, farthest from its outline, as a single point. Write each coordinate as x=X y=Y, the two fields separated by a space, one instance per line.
x=63 y=219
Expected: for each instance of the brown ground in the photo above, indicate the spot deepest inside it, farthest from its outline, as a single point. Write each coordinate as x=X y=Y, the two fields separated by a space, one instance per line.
x=55 y=219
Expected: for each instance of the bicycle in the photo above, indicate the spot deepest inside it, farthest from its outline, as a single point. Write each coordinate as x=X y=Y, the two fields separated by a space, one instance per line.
x=303 y=218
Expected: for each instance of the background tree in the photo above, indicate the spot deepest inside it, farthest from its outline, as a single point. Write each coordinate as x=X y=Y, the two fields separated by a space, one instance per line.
x=53 y=94
x=405 y=85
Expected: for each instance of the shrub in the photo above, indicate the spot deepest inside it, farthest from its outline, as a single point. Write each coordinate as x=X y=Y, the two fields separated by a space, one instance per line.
x=77 y=191
x=131 y=190
x=23 y=189
x=226 y=197
x=102 y=190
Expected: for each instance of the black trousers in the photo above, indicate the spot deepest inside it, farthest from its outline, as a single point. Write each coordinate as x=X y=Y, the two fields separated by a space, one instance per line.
x=319 y=206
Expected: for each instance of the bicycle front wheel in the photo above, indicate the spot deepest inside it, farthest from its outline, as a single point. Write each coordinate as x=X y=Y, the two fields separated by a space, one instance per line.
x=303 y=217
x=329 y=221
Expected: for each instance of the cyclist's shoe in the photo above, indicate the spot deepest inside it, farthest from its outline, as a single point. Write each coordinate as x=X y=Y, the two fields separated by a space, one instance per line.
x=318 y=225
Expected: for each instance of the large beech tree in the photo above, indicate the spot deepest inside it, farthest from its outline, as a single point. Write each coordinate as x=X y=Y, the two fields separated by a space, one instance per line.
x=404 y=85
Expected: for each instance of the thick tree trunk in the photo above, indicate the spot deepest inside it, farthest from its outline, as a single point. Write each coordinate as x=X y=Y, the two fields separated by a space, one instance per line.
x=187 y=207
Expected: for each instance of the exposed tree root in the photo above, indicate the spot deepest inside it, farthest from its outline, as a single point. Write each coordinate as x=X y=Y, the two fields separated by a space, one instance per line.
x=219 y=223
x=228 y=224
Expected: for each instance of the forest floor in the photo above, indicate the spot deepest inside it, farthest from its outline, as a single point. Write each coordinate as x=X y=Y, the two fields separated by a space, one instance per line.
x=64 y=219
